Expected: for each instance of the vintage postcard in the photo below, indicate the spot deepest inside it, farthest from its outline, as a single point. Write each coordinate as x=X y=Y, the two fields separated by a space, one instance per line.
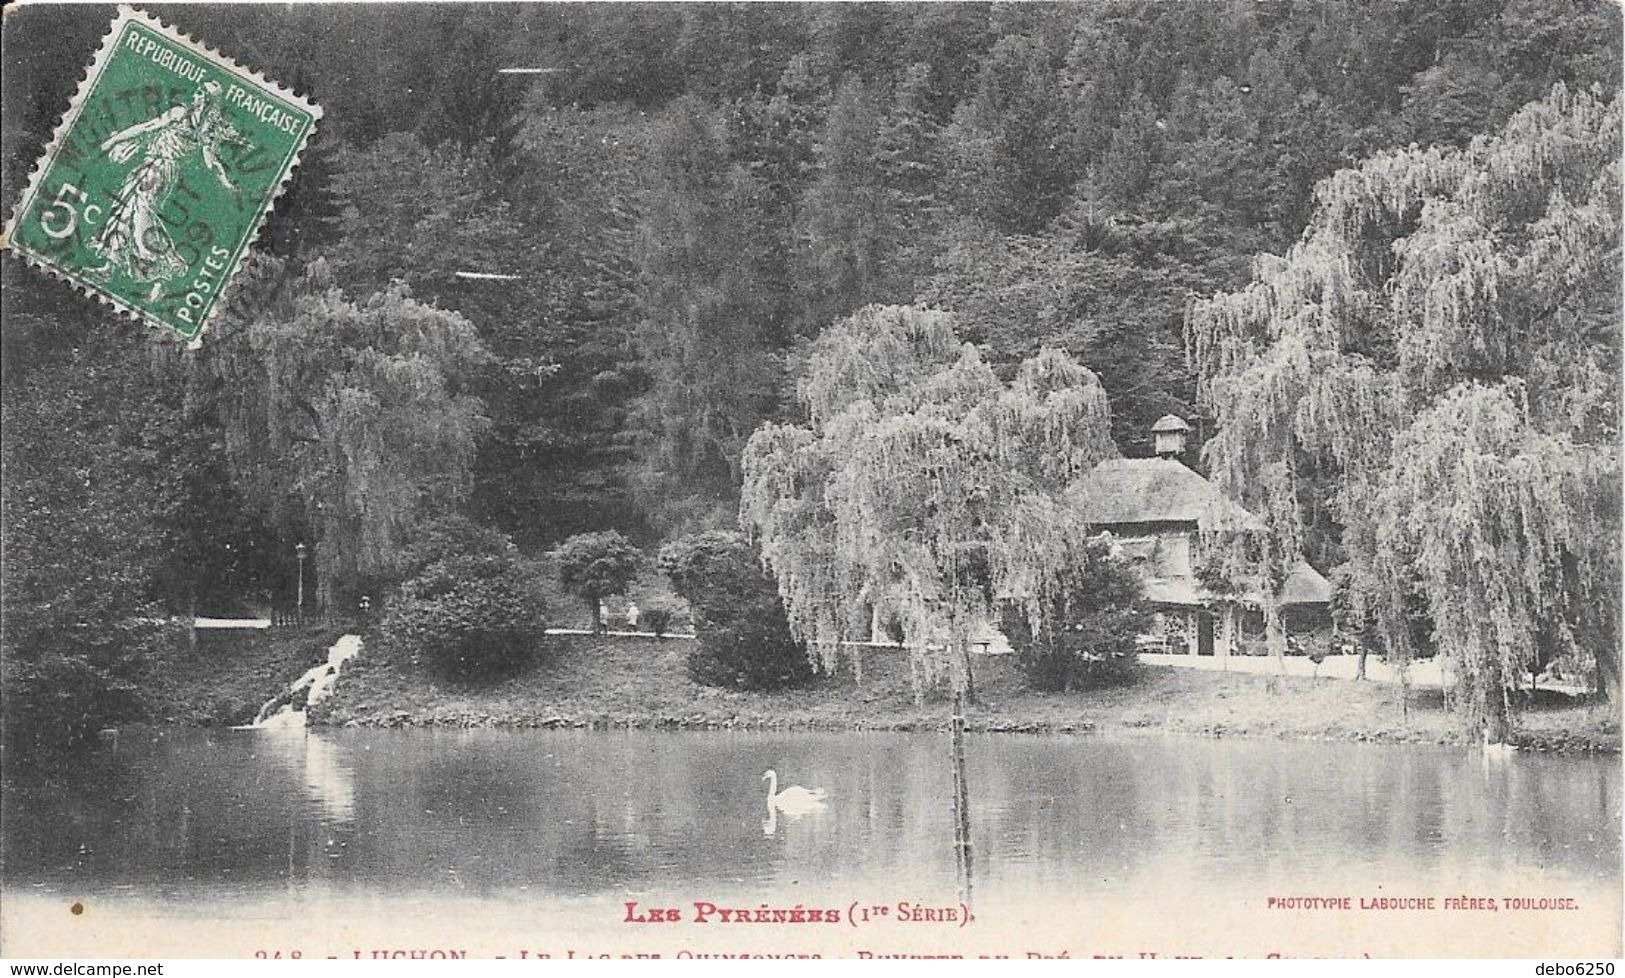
x=850 y=480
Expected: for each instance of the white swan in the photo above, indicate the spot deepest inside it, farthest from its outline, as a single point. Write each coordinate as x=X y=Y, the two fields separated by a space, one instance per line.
x=794 y=800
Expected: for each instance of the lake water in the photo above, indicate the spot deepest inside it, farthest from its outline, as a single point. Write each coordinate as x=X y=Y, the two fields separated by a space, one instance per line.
x=494 y=842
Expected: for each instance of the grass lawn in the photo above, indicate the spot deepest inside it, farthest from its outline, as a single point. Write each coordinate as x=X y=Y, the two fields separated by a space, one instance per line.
x=227 y=675
x=630 y=682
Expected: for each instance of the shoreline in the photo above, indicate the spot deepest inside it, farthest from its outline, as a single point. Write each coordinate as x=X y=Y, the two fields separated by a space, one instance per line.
x=627 y=683
x=1524 y=740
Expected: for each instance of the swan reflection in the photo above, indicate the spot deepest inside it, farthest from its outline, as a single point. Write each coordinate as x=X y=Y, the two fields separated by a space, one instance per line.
x=794 y=801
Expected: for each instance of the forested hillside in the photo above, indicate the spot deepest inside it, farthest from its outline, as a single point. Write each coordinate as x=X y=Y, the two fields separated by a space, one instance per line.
x=660 y=224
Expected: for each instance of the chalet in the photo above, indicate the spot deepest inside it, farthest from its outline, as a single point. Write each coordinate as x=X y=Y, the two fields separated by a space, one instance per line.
x=1158 y=511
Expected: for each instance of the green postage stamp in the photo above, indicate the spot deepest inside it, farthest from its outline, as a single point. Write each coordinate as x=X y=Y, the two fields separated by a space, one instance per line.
x=160 y=174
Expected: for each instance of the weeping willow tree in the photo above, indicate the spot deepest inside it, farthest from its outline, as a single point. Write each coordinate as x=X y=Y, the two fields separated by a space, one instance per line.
x=922 y=490
x=347 y=421
x=1438 y=357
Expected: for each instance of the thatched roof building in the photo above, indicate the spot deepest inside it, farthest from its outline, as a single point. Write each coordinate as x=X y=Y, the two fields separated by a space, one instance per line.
x=1159 y=511
x=1156 y=493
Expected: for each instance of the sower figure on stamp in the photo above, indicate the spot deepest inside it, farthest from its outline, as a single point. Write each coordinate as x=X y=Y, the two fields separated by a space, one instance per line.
x=134 y=239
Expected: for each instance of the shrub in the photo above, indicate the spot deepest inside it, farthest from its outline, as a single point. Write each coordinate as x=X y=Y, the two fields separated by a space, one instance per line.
x=64 y=679
x=59 y=701
x=471 y=617
x=593 y=566
x=1087 y=627
x=658 y=620
x=744 y=637
x=451 y=536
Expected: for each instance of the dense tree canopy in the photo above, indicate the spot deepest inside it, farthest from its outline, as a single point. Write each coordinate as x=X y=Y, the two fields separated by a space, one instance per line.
x=707 y=311
x=922 y=489
x=347 y=422
x=1440 y=355
x=95 y=538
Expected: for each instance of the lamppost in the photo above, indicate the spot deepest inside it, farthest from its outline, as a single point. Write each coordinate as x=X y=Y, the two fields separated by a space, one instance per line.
x=299 y=549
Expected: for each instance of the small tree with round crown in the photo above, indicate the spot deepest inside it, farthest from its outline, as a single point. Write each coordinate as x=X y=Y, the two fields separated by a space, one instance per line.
x=593 y=566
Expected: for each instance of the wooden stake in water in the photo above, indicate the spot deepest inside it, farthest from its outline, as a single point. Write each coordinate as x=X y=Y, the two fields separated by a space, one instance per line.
x=962 y=846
